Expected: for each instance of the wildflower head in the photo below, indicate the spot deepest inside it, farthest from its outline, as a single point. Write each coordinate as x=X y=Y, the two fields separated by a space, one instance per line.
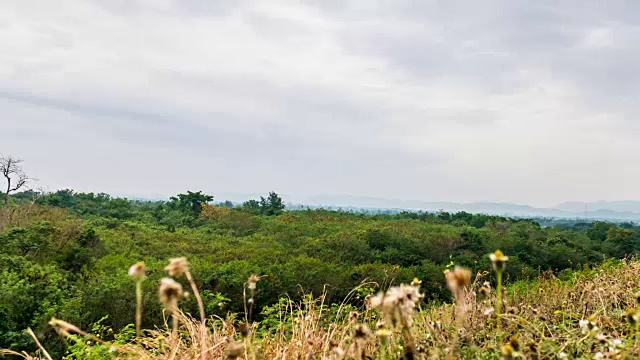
x=499 y=261
x=587 y=325
x=383 y=333
x=170 y=291
x=136 y=271
x=177 y=266
x=251 y=282
x=509 y=351
x=457 y=279
x=416 y=282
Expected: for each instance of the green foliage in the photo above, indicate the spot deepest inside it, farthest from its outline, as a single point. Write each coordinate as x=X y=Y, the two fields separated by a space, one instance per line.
x=69 y=258
x=191 y=202
x=270 y=206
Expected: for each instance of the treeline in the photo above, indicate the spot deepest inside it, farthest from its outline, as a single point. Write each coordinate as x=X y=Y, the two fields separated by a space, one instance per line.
x=66 y=254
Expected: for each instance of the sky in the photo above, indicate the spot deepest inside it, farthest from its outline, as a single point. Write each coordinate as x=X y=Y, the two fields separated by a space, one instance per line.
x=530 y=102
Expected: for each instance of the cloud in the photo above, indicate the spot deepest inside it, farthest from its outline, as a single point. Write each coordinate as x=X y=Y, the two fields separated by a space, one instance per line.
x=500 y=100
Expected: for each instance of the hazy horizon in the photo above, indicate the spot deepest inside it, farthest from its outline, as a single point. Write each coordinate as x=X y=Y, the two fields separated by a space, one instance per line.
x=506 y=101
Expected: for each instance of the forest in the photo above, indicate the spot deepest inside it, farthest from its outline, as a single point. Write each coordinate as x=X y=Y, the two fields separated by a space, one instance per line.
x=65 y=254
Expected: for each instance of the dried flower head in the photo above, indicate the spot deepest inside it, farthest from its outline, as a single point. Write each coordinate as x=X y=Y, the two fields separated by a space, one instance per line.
x=484 y=292
x=170 y=292
x=375 y=302
x=397 y=304
x=136 y=271
x=177 y=266
x=458 y=278
x=251 y=282
x=353 y=316
x=361 y=332
x=499 y=261
x=243 y=327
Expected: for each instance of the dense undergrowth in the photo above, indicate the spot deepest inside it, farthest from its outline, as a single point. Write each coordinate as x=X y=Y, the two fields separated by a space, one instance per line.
x=586 y=314
x=67 y=255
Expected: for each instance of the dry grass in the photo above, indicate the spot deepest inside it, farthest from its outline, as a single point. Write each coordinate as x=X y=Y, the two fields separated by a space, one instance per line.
x=585 y=316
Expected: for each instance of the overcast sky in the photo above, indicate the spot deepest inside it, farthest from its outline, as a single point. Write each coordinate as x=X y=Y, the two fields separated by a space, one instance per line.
x=523 y=101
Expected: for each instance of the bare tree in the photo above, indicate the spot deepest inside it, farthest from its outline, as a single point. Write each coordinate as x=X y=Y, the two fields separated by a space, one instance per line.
x=11 y=169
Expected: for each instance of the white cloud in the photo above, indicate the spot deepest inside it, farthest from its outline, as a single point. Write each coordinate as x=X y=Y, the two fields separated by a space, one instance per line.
x=456 y=102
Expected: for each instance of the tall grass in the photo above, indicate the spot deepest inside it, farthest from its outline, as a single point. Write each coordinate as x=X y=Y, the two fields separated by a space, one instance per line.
x=585 y=315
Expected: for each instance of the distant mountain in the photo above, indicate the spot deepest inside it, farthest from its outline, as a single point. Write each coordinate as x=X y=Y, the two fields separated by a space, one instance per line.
x=599 y=210
x=580 y=206
x=618 y=211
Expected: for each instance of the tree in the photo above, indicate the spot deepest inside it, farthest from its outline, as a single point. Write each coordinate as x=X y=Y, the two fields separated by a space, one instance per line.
x=11 y=169
x=192 y=201
x=252 y=206
x=272 y=205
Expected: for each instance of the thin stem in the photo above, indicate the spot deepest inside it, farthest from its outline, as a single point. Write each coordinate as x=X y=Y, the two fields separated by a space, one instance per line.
x=383 y=350
x=44 y=351
x=175 y=341
x=203 y=324
x=138 y=306
x=498 y=300
x=196 y=293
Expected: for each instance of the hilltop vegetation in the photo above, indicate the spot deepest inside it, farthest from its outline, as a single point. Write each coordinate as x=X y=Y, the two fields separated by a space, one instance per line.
x=66 y=255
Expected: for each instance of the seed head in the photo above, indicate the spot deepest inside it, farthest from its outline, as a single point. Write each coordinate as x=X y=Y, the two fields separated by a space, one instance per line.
x=361 y=332
x=353 y=316
x=397 y=304
x=170 y=291
x=136 y=271
x=484 y=292
x=244 y=329
x=499 y=261
x=177 y=266
x=251 y=282
x=457 y=279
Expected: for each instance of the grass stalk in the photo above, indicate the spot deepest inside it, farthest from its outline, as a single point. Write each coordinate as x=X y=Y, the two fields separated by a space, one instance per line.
x=138 y=307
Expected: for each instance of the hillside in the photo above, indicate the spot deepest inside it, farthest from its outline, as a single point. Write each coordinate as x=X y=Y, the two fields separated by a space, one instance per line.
x=66 y=255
